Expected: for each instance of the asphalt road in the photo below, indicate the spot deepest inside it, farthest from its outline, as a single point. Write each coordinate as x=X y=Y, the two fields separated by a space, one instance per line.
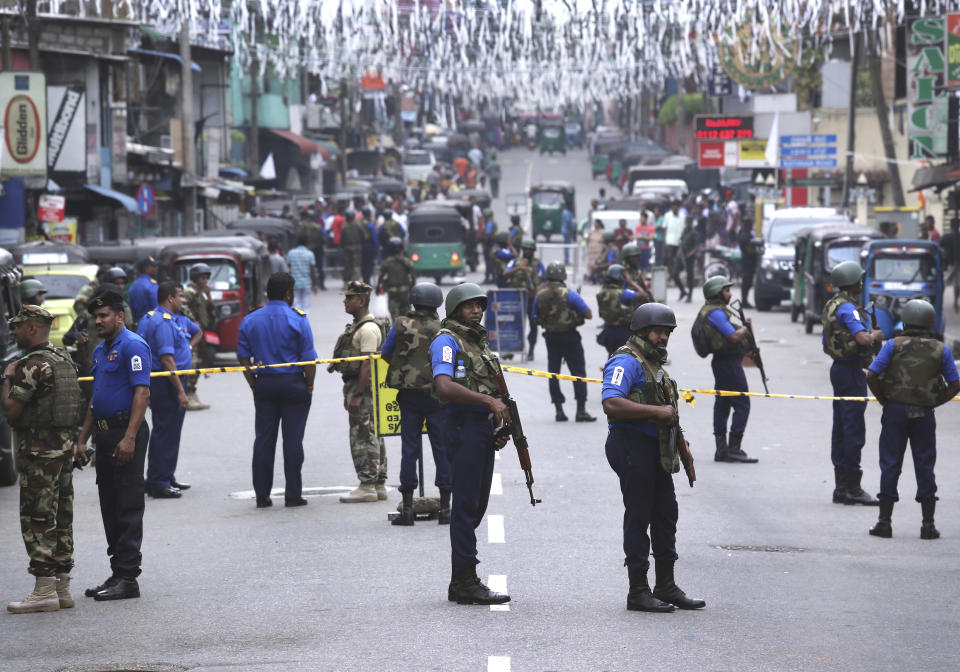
x=792 y=581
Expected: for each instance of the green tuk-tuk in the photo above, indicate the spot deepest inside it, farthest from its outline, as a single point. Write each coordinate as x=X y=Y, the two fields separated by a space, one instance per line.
x=435 y=234
x=547 y=201
x=552 y=139
x=817 y=250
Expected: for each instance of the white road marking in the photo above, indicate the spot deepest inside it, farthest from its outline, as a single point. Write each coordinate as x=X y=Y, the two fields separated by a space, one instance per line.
x=495 y=529
x=498 y=584
x=498 y=663
x=496 y=487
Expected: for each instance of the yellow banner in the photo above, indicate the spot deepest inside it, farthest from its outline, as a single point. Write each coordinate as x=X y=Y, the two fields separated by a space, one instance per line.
x=386 y=410
x=753 y=150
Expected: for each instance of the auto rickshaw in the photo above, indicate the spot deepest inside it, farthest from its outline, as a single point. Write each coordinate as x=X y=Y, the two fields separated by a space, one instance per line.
x=574 y=132
x=547 y=202
x=818 y=249
x=605 y=144
x=552 y=139
x=282 y=231
x=63 y=282
x=900 y=270
x=240 y=267
x=435 y=232
x=9 y=306
x=484 y=199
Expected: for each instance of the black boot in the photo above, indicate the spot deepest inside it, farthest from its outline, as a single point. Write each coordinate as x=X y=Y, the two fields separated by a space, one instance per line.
x=928 y=530
x=883 y=527
x=667 y=590
x=582 y=415
x=856 y=494
x=640 y=598
x=443 y=516
x=839 y=489
x=735 y=453
x=123 y=589
x=530 y=353
x=721 y=454
x=471 y=590
x=406 y=517
x=561 y=416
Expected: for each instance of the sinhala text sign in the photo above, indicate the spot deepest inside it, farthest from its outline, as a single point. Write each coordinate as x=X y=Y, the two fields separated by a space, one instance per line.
x=23 y=106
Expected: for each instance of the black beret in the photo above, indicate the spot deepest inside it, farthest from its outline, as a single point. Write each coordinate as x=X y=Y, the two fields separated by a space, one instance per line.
x=105 y=298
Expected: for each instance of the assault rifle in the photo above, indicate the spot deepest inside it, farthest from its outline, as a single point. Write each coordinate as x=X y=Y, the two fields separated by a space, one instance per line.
x=676 y=438
x=754 y=349
x=515 y=430
x=871 y=310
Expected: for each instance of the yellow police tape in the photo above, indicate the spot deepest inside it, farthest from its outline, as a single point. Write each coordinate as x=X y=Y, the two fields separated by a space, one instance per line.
x=687 y=396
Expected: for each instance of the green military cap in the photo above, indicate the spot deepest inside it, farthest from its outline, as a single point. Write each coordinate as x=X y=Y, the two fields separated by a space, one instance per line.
x=355 y=287
x=30 y=313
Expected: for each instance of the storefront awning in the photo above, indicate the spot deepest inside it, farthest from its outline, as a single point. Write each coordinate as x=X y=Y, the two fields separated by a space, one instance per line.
x=165 y=54
x=305 y=145
x=936 y=177
x=129 y=203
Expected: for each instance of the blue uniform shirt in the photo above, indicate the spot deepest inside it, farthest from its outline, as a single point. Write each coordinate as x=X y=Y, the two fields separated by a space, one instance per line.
x=574 y=300
x=621 y=374
x=611 y=257
x=504 y=254
x=849 y=317
x=275 y=334
x=390 y=343
x=118 y=367
x=947 y=366
x=719 y=321
x=540 y=269
x=143 y=296
x=443 y=353
x=627 y=297
x=164 y=334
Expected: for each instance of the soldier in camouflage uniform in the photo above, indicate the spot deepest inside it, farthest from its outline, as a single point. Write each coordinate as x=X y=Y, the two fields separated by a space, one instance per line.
x=363 y=336
x=526 y=272
x=560 y=311
x=631 y=254
x=407 y=351
x=352 y=236
x=41 y=400
x=397 y=277
x=199 y=307
x=912 y=374
x=87 y=291
x=616 y=305
x=851 y=345
x=500 y=257
x=607 y=256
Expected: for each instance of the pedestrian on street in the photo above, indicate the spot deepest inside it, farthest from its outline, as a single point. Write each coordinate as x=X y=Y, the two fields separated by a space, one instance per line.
x=526 y=273
x=493 y=171
x=121 y=392
x=560 y=311
x=371 y=246
x=639 y=415
x=143 y=291
x=397 y=276
x=277 y=263
x=673 y=222
x=198 y=306
x=275 y=334
x=750 y=252
x=644 y=240
x=622 y=234
x=407 y=351
x=616 y=304
x=303 y=268
x=352 y=237
x=850 y=344
x=687 y=258
x=913 y=374
x=728 y=340
x=465 y=379
x=41 y=401
x=32 y=292
x=363 y=336
x=488 y=233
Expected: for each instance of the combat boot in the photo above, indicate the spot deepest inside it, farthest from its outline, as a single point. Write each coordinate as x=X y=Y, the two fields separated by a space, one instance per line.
x=640 y=598
x=667 y=590
x=406 y=517
x=365 y=492
x=855 y=494
x=839 y=489
x=582 y=415
x=561 y=416
x=63 y=591
x=471 y=590
x=381 y=492
x=927 y=529
x=43 y=598
x=721 y=453
x=735 y=453
x=111 y=581
x=443 y=515
x=883 y=528
x=194 y=403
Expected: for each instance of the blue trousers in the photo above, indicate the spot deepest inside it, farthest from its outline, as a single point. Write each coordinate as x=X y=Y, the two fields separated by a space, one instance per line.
x=728 y=375
x=849 y=429
x=468 y=438
x=279 y=399
x=613 y=337
x=566 y=346
x=165 y=437
x=415 y=408
x=649 y=500
x=922 y=433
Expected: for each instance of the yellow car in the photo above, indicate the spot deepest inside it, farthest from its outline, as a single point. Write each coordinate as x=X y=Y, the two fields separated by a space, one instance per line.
x=62 y=282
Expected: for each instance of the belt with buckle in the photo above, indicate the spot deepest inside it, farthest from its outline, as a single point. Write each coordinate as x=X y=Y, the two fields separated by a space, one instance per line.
x=118 y=421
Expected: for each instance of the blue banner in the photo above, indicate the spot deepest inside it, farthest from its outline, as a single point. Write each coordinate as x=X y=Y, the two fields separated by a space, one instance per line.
x=505 y=319
x=799 y=151
x=12 y=211
x=815 y=139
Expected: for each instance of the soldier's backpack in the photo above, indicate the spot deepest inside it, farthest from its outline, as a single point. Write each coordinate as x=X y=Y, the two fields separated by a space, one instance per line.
x=701 y=340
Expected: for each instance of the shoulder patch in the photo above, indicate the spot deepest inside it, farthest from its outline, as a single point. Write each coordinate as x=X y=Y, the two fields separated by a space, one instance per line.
x=136 y=364
x=617 y=377
x=447 y=354
x=856 y=315
x=167 y=316
x=151 y=312
x=299 y=312
x=152 y=281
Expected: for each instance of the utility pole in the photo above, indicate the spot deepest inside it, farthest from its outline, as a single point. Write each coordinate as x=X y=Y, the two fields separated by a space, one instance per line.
x=253 y=161
x=883 y=117
x=343 y=130
x=189 y=142
x=852 y=118
x=681 y=113
x=33 y=35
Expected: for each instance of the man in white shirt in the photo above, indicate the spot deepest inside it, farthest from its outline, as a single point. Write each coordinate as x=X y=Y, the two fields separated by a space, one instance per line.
x=673 y=223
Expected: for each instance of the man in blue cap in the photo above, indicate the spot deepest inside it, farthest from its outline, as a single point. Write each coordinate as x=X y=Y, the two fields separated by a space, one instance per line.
x=143 y=291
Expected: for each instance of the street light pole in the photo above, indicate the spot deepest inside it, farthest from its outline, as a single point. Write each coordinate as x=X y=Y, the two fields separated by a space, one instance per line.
x=189 y=142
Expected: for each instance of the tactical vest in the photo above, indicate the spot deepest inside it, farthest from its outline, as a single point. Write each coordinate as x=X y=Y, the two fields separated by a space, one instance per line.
x=396 y=272
x=651 y=393
x=61 y=406
x=612 y=312
x=525 y=278
x=200 y=308
x=838 y=341
x=352 y=234
x=554 y=311
x=499 y=266
x=719 y=345
x=480 y=366
x=346 y=348
x=914 y=376
x=636 y=275
x=410 y=367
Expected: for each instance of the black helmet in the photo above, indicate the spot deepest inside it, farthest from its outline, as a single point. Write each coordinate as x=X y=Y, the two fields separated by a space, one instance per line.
x=426 y=294
x=616 y=272
x=653 y=315
x=199 y=269
x=396 y=243
x=114 y=274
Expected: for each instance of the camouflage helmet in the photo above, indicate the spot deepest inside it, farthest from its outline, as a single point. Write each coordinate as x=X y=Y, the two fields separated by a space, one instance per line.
x=501 y=238
x=426 y=294
x=199 y=269
x=114 y=274
x=629 y=250
x=918 y=313
x=845 y=274
x=609 y=236
x=715 y=285
x=528 y=244
x=396 y=244
x=616 y=272
x=30 y=288
x=556 y=271
x=461 y=293
x=653 y=315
